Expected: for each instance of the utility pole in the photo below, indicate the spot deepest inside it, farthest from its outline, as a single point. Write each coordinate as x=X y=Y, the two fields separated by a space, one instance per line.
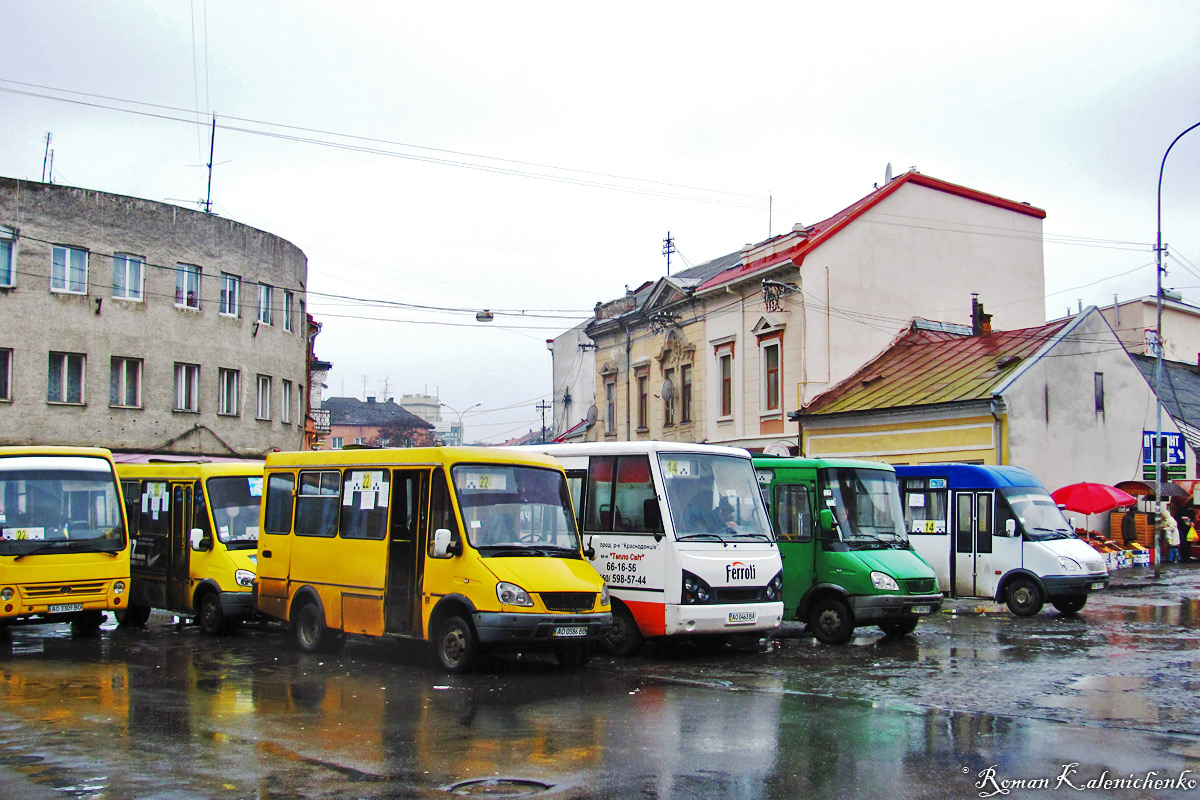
x=543 y=406
x=46 y=157
x=668 y=248
x=212 y=144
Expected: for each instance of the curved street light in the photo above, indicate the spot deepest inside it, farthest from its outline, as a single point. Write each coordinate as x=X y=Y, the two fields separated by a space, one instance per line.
x=1158 y=363
x=460 y=417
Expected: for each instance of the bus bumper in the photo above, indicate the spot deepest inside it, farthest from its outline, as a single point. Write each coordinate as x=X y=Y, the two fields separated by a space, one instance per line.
x=1063 y=586
x=875 y=608
x=498 y=628
x=237 y=605
x=723 y=618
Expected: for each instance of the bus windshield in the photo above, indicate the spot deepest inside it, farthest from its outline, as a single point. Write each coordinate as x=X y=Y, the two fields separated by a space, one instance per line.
x=53 y=504
x=1036 y=513
x=513 y=510
x=235 y=505
x=865 y=505
x=713 y=497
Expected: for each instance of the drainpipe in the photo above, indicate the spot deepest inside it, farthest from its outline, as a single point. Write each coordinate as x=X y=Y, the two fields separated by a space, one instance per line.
x=998 y=432
x=628 y=385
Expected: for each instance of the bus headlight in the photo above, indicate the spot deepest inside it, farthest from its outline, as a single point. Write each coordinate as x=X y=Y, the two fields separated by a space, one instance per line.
x=510 y=594
x=243 y=577
x=119 y=587
x=1068 y=564
x=604 y=599
x=6 y=593
x=775 y=587
x=695 y=590
x=885 y=582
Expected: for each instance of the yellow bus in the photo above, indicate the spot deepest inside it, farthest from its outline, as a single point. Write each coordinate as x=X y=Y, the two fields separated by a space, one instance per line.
x=64 y=552
x=194 y=527
x=464 y=547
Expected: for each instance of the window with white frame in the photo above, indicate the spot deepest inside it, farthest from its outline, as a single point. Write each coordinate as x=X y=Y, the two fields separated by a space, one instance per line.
x=263 y=397
x=771 y=351
x=227 y=387
x=336 y=442
x=127 y=276
x=610 y=405
x=187 y=387
x=289 y=308
x=264 y=303
x=68 y=269
x=8 y=249
x=285 y=401
x=187 y=286
x=64 y=383
x=6 y=359
x=231 y=288
x=125 y=383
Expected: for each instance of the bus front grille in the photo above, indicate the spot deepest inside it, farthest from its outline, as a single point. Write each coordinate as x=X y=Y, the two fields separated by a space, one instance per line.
x=921 y=585
x=568 y=601
x=739 y=595
x=64 y=590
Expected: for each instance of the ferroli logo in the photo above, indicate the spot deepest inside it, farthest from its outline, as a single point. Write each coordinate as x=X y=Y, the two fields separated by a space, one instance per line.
x=737 y=571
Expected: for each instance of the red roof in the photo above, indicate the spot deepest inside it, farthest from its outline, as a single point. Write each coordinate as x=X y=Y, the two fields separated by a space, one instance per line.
x=925 y=367
x=823 y=231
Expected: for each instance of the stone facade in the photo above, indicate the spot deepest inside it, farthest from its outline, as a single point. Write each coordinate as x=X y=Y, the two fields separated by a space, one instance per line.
x=145 y=327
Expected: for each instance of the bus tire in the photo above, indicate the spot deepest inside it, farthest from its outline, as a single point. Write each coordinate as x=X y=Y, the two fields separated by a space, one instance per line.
x=311 y=633
x=573 y=655
x=86 y=623
x=831 y=621
x=211 y=616
x=623 y=638
x=133 y=616
x=456 y=645
x=1071 y=604
x=1024 y=598
x=899 y=627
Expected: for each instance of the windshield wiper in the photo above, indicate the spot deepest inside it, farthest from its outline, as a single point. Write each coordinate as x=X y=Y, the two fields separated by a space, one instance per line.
x=44 y=547
x=689 y=536
x=509 y=550
x=1061 y=534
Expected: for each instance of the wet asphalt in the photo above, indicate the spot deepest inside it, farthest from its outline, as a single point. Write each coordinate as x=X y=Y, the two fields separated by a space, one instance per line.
x=973 y=701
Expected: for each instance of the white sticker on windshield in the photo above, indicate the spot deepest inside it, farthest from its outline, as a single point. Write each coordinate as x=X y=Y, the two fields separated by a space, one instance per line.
x=916 y=500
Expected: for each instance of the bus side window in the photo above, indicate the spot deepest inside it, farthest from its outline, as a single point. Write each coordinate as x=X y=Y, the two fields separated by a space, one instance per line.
x=279 y=503
x=442 y=514
x=636 y=501
x=598 y=496
x=793 y=515
x=132 y=492
x=364 y=504
x=317 y=503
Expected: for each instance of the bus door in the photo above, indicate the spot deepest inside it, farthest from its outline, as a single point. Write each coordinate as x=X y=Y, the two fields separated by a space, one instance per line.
x=159 y=552
x=974 y=559
x=791 y=511
x=275 y=543
x=181 y=525
x=408 y=536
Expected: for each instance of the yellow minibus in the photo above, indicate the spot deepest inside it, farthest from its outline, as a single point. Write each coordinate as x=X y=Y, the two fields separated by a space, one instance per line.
x=64 y=552
x=194 y=527
x=464 y=547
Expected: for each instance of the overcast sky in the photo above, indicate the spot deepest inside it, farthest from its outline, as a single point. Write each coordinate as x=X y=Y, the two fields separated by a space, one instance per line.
x=530 y=158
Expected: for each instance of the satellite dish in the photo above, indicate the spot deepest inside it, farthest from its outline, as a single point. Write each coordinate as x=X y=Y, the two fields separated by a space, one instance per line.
x=668 y=391
x=592 y=413
x=887 y=173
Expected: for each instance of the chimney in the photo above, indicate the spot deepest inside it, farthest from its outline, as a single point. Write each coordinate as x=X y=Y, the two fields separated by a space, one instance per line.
x=981 y=323
x=370 y=399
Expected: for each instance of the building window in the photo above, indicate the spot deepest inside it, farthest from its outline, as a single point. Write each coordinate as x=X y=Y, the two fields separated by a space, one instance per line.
x=264 y=304
x=125 y=384
x=668 y=397
x=643 y=400
x=685 y=394
x=285 y=402
x=359 y=440
x=68 y=270
x=6 y=359
x=1098 y=385
x=725 y=370
x=187 y=387
x=263 y=397
x=336 y=443
x=8 y=241
x=610 y=404
x=65 y=380
x=231 y=287
x=289 y=304
x=227 y=386
x=127 y=276
x=187 y=286
x=770 y=375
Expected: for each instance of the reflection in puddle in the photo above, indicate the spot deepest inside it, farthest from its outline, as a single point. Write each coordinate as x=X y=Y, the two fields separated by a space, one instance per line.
x=1112 y=697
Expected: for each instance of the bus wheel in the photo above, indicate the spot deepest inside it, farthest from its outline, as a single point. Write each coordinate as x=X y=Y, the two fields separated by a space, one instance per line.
x=456 y=644
x=573 y=655
x=133 y=616
x=831 y=621
x=1024 y=597
x=312 y=635
x=899 y=627
x=1071 y=604
x=623 y=638
x=86 y=623
x=211 y=617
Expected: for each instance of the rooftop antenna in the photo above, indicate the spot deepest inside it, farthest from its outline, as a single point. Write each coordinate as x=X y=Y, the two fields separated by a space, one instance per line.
x=46 y=157
x=668 y=248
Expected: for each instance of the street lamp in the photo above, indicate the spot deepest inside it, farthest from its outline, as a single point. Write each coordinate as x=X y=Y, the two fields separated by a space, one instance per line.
x=1158 y=364
x=460 y=417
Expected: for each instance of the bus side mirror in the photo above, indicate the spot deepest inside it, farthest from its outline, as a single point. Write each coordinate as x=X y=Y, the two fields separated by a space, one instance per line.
x=589 y=552
x=443 y=547
x=198 y=541
x=1010 y=527
x=825 y=520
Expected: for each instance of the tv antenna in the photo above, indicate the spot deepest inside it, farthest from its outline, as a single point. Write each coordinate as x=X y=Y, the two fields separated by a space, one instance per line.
x=668 y=248
x=48 y=158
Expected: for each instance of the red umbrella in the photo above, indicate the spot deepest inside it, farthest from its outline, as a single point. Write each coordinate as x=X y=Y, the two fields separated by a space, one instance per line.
x=1092 y=498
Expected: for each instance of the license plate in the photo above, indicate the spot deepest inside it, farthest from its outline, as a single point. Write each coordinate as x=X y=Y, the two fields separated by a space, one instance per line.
x=922 y=609
x=65 y=607
x=570 y=631
x=1097 y=586
x=742 y=617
